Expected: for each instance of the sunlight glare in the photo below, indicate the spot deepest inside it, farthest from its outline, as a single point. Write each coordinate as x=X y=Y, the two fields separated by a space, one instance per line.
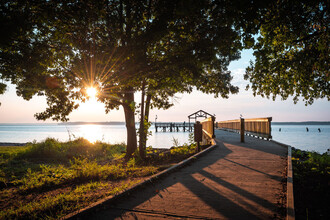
x=91 y=132
x=91 y=92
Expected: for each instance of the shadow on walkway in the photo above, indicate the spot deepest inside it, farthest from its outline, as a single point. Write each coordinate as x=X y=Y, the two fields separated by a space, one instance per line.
x=218 y=185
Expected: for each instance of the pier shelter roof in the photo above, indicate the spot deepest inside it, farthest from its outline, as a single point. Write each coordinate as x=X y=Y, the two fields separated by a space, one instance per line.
x=200 y=114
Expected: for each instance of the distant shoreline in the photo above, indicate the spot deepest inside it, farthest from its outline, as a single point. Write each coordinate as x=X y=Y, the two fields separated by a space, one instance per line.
x=10 y=144
x=123 y=123
x=92 y=123
x=66 y=123
x=303 y=123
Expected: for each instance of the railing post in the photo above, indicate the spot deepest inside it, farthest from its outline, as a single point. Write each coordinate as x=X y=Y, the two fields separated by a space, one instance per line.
x=270 y=127
x=242 y=129
x=213 y=120
x=198 y=134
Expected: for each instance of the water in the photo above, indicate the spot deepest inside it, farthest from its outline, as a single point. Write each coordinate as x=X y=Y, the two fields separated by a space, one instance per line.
x=297 y=136
x=22 y=133
x=293 y=135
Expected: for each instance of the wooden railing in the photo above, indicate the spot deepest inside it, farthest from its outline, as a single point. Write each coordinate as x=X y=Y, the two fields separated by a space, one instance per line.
x=259 y=127
x=208 y=130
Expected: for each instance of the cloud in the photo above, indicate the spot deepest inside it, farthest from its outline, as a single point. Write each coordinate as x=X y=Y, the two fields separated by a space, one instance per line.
x=238 y=78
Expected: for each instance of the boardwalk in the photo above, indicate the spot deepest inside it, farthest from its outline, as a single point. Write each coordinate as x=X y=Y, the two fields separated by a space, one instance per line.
x=233 y=181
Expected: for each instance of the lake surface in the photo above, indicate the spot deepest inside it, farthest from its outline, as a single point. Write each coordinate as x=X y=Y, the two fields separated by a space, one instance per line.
x=22 y=133
x=298 y=137
x=294 y=135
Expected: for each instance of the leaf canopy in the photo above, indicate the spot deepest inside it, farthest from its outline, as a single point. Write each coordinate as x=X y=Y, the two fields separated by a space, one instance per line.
x=292 y=53
x=59 y=48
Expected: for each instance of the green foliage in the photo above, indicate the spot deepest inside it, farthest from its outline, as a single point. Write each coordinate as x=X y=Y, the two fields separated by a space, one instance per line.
x=15 y=161
x=311 y=173
x=131 y=162
x=175 y=142
x=57 y=206
x=64 y=176
x=191 y=138
x=166 y=47
x=7 y=152
x=146 y=126
x=2 y=89
x=162 y=43
x=185 y=149
x=292 y=52
x=51 y=149
x=61 y=187
x=2 y=178
x=80 y=170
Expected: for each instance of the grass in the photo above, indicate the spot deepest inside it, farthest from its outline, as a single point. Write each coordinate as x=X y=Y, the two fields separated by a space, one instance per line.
x=311 y=172
x=50 y=179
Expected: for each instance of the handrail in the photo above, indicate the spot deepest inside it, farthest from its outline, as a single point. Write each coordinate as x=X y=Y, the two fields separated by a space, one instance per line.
x=260 y=127
x=208 y=129
x=248 y=119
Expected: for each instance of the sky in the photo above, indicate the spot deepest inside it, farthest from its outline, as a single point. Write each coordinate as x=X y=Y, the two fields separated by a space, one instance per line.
x=14 y=109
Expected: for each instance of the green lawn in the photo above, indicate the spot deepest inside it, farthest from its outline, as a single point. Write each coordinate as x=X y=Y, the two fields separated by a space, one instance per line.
x=50 y=179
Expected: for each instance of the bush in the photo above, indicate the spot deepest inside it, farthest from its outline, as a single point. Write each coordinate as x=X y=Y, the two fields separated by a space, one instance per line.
x=310 y=178
x=184 y=149
x=51 y=149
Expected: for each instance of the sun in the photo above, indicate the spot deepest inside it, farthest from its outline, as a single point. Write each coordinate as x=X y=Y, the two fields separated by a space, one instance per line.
x=91 y=92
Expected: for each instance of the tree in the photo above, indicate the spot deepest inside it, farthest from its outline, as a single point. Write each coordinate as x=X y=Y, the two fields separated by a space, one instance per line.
x=292 y=52
x=2 y=89
x=59 y=48
x=194 y=54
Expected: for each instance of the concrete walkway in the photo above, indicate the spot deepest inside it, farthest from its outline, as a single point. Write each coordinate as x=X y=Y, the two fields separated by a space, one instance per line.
x=233 y=181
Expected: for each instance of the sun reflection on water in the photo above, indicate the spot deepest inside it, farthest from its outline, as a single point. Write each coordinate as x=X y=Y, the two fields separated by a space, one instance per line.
x=92 y=133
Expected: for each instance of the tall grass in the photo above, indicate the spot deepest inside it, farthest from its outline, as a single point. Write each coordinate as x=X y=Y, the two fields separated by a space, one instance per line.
x=80 y=171
x=66 y=176
x=51 y=149
x=16 y=162
x=57 y=206
x=52 y=163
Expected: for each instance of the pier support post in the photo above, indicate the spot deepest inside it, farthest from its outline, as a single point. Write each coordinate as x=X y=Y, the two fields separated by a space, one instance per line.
x=242 y=130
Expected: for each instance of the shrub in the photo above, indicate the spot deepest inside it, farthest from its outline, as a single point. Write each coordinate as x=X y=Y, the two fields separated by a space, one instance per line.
x=51 y=149
x=311 y=178
x=183 y=150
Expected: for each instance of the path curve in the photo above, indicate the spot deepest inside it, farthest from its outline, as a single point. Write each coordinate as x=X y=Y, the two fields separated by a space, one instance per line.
x=233 y=181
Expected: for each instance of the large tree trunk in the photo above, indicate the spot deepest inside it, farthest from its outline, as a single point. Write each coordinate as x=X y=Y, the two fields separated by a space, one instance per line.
x=130 y=124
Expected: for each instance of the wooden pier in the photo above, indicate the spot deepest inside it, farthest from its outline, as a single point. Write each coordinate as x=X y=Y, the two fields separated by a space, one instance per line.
x=174 y=126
